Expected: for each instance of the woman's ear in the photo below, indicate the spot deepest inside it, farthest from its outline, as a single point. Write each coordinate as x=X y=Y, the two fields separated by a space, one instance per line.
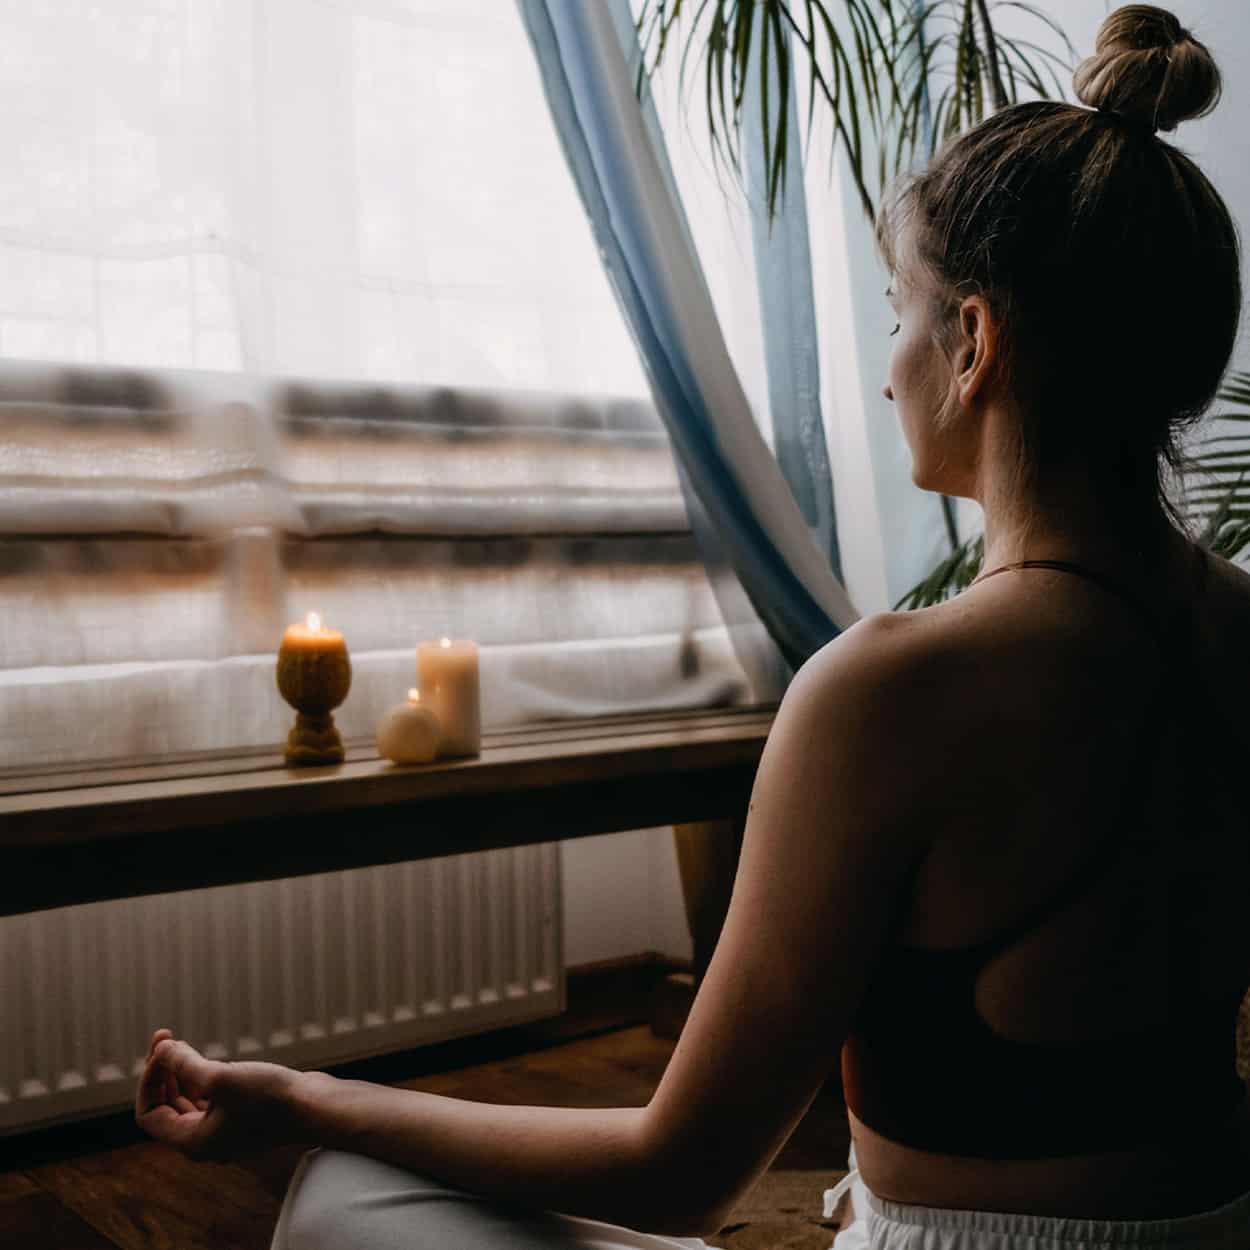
x=978 y=348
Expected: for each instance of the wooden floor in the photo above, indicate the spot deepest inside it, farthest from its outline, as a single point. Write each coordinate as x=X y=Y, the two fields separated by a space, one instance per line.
x=143 y=1196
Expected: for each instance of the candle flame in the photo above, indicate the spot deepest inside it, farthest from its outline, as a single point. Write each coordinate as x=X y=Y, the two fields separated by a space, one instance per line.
x=314 y=622
x=414 y=695
x=444 y=642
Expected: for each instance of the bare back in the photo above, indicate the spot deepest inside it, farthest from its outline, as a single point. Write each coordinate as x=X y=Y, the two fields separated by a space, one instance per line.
x=1059 y=679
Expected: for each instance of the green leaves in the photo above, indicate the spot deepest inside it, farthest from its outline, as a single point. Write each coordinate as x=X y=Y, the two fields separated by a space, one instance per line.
x=1217 y=480
x=896 y=76
x=954 y=574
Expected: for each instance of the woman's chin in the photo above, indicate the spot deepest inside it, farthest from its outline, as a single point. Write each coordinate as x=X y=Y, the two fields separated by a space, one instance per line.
x=928 y=478
x=925 y=478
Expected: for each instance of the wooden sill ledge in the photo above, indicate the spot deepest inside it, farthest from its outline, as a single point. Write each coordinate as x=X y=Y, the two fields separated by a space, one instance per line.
x=85 y=835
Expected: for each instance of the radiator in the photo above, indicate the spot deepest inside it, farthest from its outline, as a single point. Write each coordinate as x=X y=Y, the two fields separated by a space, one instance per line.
x=306 y=972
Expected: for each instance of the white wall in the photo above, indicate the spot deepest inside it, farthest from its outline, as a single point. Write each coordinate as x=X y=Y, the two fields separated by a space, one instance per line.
x=622 y=896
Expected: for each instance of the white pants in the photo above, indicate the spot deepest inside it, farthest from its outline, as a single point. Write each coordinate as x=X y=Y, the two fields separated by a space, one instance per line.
x=342 y=1201
x=881 y=1225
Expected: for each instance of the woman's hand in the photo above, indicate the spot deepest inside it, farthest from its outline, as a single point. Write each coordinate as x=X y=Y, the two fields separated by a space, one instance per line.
x=214 y=1110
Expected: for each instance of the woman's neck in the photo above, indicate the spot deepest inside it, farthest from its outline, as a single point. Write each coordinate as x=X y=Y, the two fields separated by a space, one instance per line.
x=1095 y=508
x=1086 y=527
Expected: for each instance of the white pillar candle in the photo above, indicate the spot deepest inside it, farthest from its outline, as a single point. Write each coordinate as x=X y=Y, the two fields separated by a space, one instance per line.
x=409 y=733
x=447 y=673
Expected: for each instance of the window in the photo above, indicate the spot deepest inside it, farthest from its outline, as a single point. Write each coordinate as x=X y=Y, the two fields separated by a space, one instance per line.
x=299 y=310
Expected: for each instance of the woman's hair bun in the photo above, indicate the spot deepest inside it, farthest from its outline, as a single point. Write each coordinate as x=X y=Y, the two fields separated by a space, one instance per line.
x=1148 y=69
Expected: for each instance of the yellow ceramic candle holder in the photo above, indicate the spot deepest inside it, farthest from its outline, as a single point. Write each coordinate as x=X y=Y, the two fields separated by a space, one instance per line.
x=314 y=676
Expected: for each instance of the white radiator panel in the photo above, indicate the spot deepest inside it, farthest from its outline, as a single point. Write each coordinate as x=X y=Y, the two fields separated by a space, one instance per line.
x=308 y=971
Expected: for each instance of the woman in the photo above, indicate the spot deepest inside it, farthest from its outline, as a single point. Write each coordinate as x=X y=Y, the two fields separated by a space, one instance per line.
x=986 y=860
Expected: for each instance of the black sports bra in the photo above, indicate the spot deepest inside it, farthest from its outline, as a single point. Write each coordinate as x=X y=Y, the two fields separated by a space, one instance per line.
x=922 y=1067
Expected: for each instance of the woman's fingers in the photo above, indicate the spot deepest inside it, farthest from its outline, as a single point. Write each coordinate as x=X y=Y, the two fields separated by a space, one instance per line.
x=192 y=1075
x=158 y=1036
x=176 y=1076
x=173 y=1101
x=170 y=1088
x=151 y=1090
x=158 y=1121
x=183 y=1130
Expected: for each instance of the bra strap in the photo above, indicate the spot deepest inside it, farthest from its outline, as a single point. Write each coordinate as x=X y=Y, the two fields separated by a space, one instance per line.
x=1066 y=566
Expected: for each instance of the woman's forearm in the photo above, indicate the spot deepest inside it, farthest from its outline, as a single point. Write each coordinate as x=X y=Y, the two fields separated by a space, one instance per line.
x=580 y=1161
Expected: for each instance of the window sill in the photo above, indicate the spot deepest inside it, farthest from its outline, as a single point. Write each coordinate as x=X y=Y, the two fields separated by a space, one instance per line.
x=87 y=835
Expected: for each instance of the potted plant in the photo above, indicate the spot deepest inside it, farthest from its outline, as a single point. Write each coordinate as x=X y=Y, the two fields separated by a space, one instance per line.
x=899 y=77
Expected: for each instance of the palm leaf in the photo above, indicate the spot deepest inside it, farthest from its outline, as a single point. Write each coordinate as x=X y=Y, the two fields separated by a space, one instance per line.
x=868 y=62
x=1216 y=479
x=953 y=574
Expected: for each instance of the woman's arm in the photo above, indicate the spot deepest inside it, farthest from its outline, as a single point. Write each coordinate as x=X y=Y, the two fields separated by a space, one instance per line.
x=581 y=1161
x=838 y=819
x=843 y=811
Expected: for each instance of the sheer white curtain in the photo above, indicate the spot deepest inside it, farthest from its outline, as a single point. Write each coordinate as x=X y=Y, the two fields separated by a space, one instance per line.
x=357 y=189
x=299 y=310
x=889 y=533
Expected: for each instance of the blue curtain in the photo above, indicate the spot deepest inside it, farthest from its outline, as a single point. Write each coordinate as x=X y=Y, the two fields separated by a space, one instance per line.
x=744 y=509
x=783 y=267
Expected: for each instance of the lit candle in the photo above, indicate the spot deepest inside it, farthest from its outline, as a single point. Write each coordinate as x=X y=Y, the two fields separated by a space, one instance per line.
x=409 y=733
x=314 y=676
x=447 y=673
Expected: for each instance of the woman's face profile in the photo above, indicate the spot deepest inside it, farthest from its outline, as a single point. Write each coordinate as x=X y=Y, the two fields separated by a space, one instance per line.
x=918 y=381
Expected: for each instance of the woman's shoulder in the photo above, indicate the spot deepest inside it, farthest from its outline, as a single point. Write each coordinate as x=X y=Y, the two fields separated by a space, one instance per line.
x=892 y=679
x=944 y=669
x=882 y=650
x=1035 y=651
x=925 y=647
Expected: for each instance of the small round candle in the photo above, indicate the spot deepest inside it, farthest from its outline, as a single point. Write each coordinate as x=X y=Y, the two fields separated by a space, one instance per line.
x=447 y=672
x=409 y=733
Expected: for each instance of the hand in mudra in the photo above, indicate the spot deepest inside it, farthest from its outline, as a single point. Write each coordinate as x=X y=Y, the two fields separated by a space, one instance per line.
x=209 y=1109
